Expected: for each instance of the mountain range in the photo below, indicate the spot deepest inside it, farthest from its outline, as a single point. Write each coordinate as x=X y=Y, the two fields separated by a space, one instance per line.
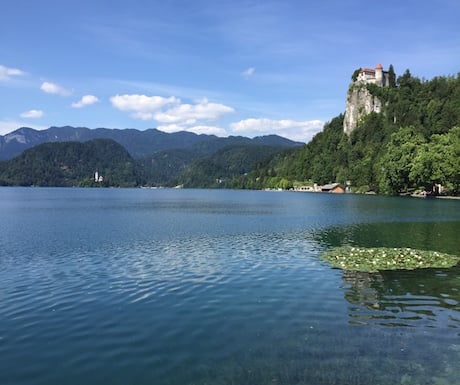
x=69 y=156
x=410 y=145
x=138 y=143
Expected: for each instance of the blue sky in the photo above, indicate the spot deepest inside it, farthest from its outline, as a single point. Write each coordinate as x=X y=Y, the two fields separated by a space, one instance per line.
x=209 y=66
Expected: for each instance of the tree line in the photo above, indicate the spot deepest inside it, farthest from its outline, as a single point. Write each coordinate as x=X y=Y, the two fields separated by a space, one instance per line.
x=412 y=145
x=66 y=164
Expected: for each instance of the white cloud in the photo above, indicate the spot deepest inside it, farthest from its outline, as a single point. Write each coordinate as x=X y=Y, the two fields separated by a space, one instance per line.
x=170 y=112
x=191 y=113
x=52 y=88
x=141 y=106
x=171 y=128
x=32 y=114
x=248 y=72
x=86 y=100
x=301 y=131
x=208 y=130
x=6 y=73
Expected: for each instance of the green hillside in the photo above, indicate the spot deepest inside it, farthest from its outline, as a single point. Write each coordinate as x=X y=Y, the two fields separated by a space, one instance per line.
x=412 y=145
x=75 y=164
x=211 y=164
x=220 y=169
x=72 y=164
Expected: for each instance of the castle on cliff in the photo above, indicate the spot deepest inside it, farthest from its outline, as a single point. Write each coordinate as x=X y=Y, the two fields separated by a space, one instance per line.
x=360 y=101
x=373 y=76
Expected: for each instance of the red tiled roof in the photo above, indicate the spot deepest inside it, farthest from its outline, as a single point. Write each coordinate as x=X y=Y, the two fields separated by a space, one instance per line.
x=368 y=70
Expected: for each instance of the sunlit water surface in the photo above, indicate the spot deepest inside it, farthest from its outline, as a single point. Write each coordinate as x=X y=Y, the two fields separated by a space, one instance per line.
x=137 y=286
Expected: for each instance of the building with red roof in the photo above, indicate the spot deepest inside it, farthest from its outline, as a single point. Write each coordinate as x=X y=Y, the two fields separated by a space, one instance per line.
x=374 y=76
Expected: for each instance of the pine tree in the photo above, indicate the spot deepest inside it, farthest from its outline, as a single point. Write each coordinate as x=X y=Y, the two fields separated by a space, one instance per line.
x=391 y=77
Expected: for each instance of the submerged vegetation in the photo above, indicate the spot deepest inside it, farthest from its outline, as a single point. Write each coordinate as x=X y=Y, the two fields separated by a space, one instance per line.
x=384 y=258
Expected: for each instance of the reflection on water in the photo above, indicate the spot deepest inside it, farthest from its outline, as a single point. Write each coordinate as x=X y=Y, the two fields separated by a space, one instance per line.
x=436 y=236
x=404 y=298
x=172 y=287
x=401 y=298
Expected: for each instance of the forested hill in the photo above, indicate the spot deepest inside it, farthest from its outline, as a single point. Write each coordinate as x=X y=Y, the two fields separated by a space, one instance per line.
x=72 y=164
x=75 y=164
x=155 y=158
x=138 y=143
x=413 y=144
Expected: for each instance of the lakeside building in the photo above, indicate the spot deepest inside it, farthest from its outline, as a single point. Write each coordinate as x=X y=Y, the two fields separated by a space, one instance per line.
x=98 y=178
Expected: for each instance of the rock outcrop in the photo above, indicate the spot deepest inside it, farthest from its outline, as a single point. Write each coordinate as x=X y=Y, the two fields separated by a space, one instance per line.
x=360 y=102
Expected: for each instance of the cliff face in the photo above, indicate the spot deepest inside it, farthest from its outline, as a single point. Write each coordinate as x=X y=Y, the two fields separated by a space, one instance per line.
x=360 y=102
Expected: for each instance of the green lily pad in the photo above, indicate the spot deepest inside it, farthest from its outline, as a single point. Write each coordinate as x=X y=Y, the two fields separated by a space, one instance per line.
x=383 y=258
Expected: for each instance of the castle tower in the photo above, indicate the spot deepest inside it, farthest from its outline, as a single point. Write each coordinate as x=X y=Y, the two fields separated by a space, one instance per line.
x=379 y=75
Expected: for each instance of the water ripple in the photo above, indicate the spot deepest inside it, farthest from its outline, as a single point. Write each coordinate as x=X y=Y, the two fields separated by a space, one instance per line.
x=375 y=299
x=126 y=287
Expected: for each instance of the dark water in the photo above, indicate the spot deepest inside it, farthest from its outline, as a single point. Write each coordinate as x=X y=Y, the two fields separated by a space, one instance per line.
x=113 y=286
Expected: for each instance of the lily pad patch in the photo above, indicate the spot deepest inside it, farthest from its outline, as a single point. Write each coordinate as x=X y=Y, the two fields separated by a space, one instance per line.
x=383 y=258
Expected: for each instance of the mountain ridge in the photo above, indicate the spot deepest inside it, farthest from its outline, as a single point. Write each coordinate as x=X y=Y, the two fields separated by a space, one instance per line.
x=138 y=143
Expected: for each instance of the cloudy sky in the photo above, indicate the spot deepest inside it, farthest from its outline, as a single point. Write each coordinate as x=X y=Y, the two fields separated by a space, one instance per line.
x=220 y=67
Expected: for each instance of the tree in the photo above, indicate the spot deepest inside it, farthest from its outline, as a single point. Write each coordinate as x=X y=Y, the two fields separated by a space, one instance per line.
x=355 y=74
x=396 y=164
x=438 y=162
x=391 y=77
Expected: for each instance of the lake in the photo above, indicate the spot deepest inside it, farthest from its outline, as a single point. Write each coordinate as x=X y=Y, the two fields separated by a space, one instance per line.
x=165 y=286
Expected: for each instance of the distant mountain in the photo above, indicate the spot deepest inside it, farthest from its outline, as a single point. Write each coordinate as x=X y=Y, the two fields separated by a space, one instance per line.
x=68 y=156
x=221 y=155
x=72 y=164
x=138 y=143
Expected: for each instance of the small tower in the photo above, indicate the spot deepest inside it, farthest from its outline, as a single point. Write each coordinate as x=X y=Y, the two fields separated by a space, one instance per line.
x=379 y=75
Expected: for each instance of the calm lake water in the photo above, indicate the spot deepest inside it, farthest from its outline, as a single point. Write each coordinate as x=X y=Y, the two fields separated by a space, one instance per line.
x=137 y=286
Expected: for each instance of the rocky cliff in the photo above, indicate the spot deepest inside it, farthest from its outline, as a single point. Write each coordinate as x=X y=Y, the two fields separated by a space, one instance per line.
x=360 y=102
